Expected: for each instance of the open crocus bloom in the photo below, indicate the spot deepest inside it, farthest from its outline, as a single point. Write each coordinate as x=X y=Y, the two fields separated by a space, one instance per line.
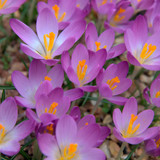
x=10 y=6
x=62 y=9
x=83 y=67
x=27 y=87
x=112 y=82
x=10 y=135
x=50 y=107
x=119 y=20
x=154 y=97
x=143 y=50
x=47 y=44
x=104 y=41
x=87 y=120
x=133 y=128
x=152 y=146
x=71 y=143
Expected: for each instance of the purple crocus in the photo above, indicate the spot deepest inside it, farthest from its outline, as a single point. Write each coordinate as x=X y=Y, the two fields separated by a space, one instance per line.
x=10 y=6
x=10 y=135
x=105 y=41
x=119 y=19
x=71 y=143
x=143 y=50
x=27 y=87
x=48 y=43
x=154 y=97
x=83 y=67
x=87 y=120
x=152 y=146
x=133 y=128
x=112 y=82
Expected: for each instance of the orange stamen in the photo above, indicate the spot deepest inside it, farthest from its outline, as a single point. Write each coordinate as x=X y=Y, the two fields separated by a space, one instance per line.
x=98 y=44
x=2 y=4
x=117 y=17
x=112 y=82
x=52 y=109
x=157 y=94
x=158 y=143
x=46 y=78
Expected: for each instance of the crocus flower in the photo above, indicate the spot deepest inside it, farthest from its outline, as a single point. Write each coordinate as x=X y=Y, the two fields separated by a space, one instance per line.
x=83 y=66
x=104 y=6
x=27 y=87
x=119 y=20
x=153 y=18
x=10 y=135
x=152 y=146
x=105 y=41
x=71 y=143
x=154 y=97
x=142 y=4
x=112 y=82
x=50 y=107
x=133 y=128
x=143 y=50
x=62 y=9
x=48 y=43
x=87 y=120
x=10 y=6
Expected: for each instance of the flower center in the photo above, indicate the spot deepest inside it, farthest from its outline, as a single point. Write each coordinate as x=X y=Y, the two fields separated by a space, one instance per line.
x=49 y=129
x=131 y=130
x=112 y=82
x=69 y=152
x=98 y=44
x=2 y=132
x=157 y=94
x=158 y=143
x=2 y=3
x=52 y=108
x=147 y=51
x=117 y=17
x=49 y=42
x=81 y=69
x=46 y=78
x=56 y=12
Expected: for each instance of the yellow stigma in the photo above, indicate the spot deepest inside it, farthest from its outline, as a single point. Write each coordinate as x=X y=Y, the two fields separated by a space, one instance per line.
x=81 y=69
x=2 y=132
x=86 y=123
x=158 y=143
x=69 y=153
x=2 y=3
x=78 y=5
x=51 y=37
x=117 y=17
x=56 y=11
x=112 y=82
x=147 y=51
x=52 y=108
x=98 y=44
x=130 y=130
x=46 y=78
x=157 y=94
x=139 y=1
x=49 y=129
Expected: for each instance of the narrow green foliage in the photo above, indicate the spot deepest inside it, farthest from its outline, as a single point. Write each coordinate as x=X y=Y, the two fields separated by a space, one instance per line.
x=3 y=95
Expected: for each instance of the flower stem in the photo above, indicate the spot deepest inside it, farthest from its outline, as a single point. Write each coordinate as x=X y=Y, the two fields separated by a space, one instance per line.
x=96 y=105
x=121 y=151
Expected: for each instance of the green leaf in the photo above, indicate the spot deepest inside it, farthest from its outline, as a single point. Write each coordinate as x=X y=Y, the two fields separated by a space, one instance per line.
x=3 y=95
x=86 y=98
x=133 y=150
x=7 y=88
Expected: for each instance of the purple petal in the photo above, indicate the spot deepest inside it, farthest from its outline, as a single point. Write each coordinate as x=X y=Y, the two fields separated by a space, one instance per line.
x=76 y=114
x=65 y=60
x=89 y=88
x=117 y=100
x=146 y=95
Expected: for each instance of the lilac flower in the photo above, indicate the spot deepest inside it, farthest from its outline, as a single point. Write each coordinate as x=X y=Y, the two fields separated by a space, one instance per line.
x=50 y=107
x=152 y=146
x=71 y=143
x=119 y=19
x=47 y=44
x=153 y=18
x=10 y=6
x=83 y=67
x=10 y=135
x=105 y=41
x=62 y=9
x=142 y=4
x=154 y=97
x=104 y=6
x=133 y=128
x=113 y=82
x=143 y=50
x=27 y=87
x=87 y=120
